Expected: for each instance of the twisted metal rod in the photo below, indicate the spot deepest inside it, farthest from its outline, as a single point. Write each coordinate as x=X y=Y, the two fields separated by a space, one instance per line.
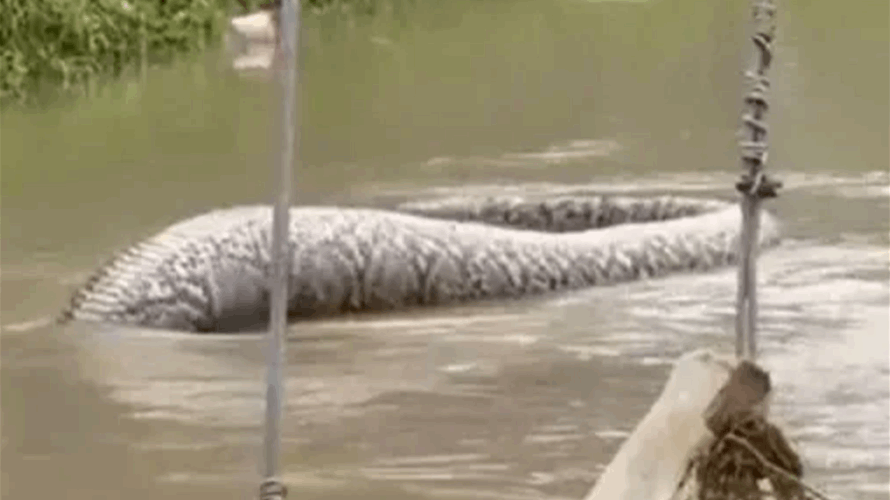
x=288 y=20
x=754 y=185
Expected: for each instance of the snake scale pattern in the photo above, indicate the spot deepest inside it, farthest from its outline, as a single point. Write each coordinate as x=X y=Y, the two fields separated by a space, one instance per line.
x=208 y=273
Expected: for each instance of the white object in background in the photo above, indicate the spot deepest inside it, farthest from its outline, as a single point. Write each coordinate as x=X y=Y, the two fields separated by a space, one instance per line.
x=653 y=459
x=251 y=41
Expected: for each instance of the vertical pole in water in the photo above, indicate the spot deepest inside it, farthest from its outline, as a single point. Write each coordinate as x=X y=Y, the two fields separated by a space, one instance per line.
x=754 y=185
x=143 y=48
x=285 y=66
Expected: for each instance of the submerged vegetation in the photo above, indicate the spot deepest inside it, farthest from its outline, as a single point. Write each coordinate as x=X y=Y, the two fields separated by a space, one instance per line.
x=68 y=45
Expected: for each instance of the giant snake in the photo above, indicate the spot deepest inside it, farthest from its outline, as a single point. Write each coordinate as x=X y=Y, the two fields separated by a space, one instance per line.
x=209 y=273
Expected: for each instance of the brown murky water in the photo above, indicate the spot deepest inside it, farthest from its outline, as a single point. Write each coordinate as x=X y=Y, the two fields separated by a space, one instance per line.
x=524 y=399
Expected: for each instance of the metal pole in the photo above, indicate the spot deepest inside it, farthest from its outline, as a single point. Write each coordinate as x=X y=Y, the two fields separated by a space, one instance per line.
x=143 y=47
x=286 y=68
x=754 y=184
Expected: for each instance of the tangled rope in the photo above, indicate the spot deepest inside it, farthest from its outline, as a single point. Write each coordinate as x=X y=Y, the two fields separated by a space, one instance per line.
x=754 y=150
x=272 y=489
x=752 y=462
x=749 y=458
x=778 y=471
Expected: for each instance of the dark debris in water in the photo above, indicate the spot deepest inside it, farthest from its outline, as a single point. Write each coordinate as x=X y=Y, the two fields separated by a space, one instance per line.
x=729 y=469
x=749 y=457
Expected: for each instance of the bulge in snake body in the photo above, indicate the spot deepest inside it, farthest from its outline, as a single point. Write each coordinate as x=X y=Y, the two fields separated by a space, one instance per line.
x=209 y=273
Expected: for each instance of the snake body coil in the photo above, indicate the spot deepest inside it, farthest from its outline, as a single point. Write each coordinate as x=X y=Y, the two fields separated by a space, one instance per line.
x=208 y=273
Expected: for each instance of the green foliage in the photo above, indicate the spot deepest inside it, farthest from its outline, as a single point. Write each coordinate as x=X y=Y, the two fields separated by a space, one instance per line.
x=70 y=44
x=67 y=43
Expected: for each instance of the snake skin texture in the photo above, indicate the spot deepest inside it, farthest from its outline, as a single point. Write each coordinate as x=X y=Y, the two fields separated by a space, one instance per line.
x=208 y=273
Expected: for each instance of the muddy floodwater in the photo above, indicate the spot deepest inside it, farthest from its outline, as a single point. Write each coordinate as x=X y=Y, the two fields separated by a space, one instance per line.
x=502 y=400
